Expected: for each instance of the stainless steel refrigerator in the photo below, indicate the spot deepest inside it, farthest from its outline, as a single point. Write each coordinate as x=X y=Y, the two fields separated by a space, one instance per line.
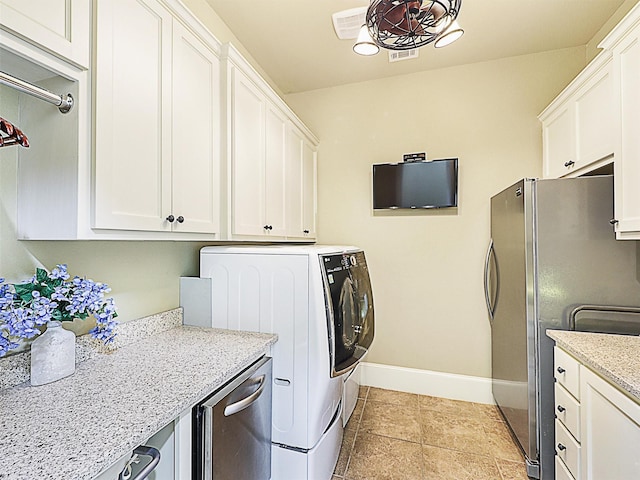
x=552 y=249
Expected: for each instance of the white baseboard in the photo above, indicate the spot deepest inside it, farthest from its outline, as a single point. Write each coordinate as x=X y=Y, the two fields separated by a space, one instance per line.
x=426 y=382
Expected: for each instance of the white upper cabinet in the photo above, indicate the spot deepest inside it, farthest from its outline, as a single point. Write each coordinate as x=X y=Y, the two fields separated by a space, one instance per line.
x=625 y=42
x=276 y=169
x=62 y=27
x=271 y=157
x=247 y=150
x=195 y=134
x=578 y=126
x=309 y=189
x=132 y=115
x=301 y=185
x=156 y=122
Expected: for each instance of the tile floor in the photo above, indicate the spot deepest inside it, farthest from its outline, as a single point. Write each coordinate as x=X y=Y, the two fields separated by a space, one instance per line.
x=395 y=435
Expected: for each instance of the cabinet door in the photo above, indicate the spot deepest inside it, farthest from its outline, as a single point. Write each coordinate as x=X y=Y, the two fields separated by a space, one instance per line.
x=275 y=169
x=195 y=145
x=132 y=115
x=559 y=143
x=294 y=182
x=610 y=426
x=627 y=164
x=309 y=191
x=594 y=117
x=60 y=26
x=247 y=156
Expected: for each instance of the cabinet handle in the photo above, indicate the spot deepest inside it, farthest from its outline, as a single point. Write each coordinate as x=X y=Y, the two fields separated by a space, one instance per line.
x=561 y=408
x=569 y=163
x=613 y=221
x=561 y=370
x=180 y=219
x=268 y=227
x=306 y=232
x=170 y=218
x=561 y=447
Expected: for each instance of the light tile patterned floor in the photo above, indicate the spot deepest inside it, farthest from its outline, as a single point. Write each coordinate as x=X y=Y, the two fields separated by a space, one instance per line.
x=395 y=435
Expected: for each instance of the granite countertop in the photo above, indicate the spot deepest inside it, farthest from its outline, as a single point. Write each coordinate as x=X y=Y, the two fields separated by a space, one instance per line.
x=78 y=426
x=615 y=357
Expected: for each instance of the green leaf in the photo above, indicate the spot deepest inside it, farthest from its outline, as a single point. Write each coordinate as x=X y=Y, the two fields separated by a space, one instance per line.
x=41 y=275
x=56 y=315
x=47 y=291
x=24 y=291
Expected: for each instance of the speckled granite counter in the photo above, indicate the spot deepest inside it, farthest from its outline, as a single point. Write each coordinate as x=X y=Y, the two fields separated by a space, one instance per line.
x=615 y=357
x=74 y=428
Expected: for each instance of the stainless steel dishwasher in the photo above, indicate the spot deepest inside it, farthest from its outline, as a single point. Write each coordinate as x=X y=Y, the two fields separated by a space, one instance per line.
x=232 y=428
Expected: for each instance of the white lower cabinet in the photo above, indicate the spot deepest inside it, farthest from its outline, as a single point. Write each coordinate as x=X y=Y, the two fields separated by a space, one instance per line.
x=598 y=430
x=610 y=423
x=567 y=411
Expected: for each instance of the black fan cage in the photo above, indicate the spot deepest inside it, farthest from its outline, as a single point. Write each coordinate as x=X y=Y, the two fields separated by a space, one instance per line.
x=407 y=24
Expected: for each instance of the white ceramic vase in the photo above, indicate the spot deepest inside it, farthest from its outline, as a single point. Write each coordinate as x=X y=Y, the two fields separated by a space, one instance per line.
x=53 y=354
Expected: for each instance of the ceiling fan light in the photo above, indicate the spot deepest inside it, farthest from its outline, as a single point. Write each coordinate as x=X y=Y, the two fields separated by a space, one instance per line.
x=443 y=24
x=453 y=33
x=364 y=44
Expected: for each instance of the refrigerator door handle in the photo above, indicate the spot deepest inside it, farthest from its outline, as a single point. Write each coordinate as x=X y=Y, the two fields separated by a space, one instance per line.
x=487 y=298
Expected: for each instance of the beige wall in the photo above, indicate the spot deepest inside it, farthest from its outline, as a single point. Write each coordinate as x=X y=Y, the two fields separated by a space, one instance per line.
x=592 y=45
x=427 y=266
x=202 y=10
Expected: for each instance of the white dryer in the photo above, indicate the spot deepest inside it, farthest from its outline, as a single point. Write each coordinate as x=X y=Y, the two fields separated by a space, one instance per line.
x=318 y=300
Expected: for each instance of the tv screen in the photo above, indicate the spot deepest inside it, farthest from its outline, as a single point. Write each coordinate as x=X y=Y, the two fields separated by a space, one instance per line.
x=424 y=184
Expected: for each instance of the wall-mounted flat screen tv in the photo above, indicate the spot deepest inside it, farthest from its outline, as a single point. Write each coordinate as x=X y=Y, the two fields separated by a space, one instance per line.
x=425 y=184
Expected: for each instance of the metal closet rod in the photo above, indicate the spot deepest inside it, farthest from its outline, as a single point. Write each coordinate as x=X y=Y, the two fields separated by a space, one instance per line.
x=64 y=103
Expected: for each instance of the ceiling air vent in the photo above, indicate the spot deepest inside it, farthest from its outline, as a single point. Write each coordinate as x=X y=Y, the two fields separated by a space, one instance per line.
x=398 y=55
x=347 y=23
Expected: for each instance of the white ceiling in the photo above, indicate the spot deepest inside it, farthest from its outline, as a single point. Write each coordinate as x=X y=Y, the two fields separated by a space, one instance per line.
x=294 y=41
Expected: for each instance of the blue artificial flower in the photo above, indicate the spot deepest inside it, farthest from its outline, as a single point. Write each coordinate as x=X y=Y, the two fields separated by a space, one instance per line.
x=60 y=272
x=26 y=307
x=6 y=344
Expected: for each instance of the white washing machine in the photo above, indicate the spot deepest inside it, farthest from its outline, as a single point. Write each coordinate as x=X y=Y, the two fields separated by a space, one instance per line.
x=318 y=300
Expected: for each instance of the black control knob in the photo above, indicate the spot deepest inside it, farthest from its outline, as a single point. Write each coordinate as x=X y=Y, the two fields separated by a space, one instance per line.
x=170 y=218
x=569 y=163
x=180 y=219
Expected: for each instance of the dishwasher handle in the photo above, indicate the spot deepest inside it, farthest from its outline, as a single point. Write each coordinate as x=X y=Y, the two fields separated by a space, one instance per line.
x=150 y=467
x=248 y=400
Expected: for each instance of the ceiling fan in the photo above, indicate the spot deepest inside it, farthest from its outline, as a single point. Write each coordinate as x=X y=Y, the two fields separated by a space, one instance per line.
x=408 y=24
